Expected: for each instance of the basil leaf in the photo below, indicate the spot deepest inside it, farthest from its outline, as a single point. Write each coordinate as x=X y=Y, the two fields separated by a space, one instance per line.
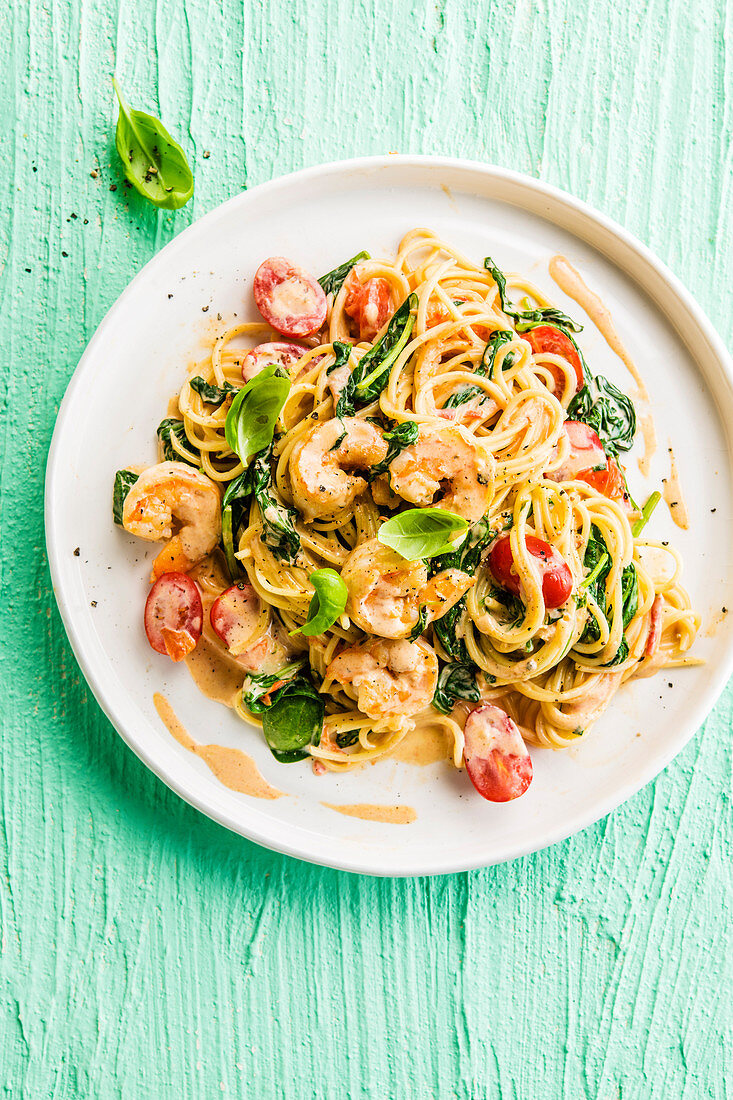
x=421 y=532
x=213 y=395
x=327 y=604
x=124 y=481
x=251 y=420
x=456 y=682
x=609 y=412
x=154 y=163
x=334 y=280
x=548 y=315
x=400 y=437
x=293 y=720
x=496 y=341
x=372 y=371
x=174 y=442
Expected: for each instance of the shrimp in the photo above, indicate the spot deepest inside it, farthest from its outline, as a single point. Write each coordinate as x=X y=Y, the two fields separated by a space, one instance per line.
x=448 y=461
x=322 y=465
x=174 y=491
x=386 y=592
x=392 y=678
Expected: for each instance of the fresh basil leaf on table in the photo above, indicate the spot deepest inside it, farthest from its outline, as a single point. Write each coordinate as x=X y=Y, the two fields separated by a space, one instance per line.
x=154 y=163
x=327 y=605
x=421 y=532
x=124 y=481
x=251 y=420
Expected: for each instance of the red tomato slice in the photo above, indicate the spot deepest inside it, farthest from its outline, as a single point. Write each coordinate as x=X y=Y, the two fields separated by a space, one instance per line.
x=234 y=616
x=586 y=451
x=369 y=304
x=609 y=482
x=557 y=580
x=547 y=338
x=284 y=355
x=289 y=299
x=497 y=760
x=174 y=615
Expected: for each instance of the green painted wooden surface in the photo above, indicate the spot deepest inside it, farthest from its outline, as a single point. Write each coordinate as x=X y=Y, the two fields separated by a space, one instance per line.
x=145 y=951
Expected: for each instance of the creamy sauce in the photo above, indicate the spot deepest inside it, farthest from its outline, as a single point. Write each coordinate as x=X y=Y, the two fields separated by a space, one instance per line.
x=232 y=767
x=672 y=493
x=570 y=281
x=390 y=815
x=427 y=744
x=217 y=676
x=649 y=435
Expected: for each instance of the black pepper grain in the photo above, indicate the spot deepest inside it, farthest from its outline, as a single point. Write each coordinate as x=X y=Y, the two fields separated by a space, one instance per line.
x=77 y=552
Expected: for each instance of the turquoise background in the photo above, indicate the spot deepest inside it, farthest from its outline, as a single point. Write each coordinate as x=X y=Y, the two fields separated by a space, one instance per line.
x=144 y=951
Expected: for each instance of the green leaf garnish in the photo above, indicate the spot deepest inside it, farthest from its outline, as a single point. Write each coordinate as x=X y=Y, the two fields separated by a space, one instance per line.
x=422 y=532
x=646 y=512
x=154 y=163
x=327 y=604
x=334 y=280
x=124 y=481
x=251 y=420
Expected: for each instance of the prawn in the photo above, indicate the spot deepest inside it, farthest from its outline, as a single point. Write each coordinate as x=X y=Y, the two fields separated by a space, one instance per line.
x=392 y=678
x=168 y=492
x=387 y=593
x=450 y=462
x=323 y=464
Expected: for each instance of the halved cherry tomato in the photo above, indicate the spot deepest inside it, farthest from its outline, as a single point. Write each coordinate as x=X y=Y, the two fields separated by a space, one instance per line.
x=263 y=355
x=369 y=304
x=289 y=299
x=609 y=482
x=497 y=760
x=547 y=338
x=557 y=580
x=174 y=615
x=586 y=451
x=234 y=616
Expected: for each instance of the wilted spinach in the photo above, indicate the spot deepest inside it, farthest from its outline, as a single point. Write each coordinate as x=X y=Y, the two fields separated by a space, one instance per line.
x=278 y=521
x=293 y=720
x=609 y=412
x=496 y=341
x=124 y=481
x=456 y=681
x=345 y=403
x=334 y=280
x=398 y=438
x=372 y=371
x=420 y=626
x=213 y=395
x=527 y=318
x=256 y=686
x=174 y=443
x=597 y=560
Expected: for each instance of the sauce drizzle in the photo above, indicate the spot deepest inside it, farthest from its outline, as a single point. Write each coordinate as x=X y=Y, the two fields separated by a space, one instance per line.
x=389 y=815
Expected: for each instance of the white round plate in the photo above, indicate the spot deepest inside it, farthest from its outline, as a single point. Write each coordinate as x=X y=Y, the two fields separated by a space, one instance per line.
x=138 y=358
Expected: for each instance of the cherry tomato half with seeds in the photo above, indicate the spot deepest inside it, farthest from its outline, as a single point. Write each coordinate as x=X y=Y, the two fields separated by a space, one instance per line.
x=274 y=352
x=548 y=339
x=289 y=299
x=174 y=615
x=609 y=482
x=557 y=580
x=497 y=760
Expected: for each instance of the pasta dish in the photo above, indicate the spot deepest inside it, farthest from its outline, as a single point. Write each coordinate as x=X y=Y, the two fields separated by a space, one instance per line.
x=399 y=499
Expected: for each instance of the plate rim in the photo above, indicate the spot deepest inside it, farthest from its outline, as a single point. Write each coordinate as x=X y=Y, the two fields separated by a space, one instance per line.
x=364 y=863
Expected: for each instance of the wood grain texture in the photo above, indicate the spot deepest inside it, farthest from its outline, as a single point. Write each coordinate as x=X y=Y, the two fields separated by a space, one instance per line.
x=145 y=952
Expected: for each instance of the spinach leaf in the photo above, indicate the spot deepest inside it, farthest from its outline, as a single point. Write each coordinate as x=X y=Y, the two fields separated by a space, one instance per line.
x=462 y=395
x=334 y=280
x=400 y=437
x=527 y=318
x=420 y=626
x=446 y=630
x=124 y=481
x=293 y=720
x=421 y=532
x=345 y=403
x=496 y=341
x=513 y=606
x=174 y=442
x=598 y=561
x=609 y=412
x=154 y=163
x=646 y=512
x=327 y=604
x=252 y=416
x=372 y=371
x=467 y=556
x=257 y=686
x=278 y=521
x=213 y=395
x=457 y=681
x=348 y=737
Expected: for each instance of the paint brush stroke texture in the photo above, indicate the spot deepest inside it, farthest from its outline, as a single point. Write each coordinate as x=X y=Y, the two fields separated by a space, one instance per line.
x=146 y=952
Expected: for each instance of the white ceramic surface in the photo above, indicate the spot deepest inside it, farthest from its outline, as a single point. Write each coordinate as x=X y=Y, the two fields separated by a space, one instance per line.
x=137 y=359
